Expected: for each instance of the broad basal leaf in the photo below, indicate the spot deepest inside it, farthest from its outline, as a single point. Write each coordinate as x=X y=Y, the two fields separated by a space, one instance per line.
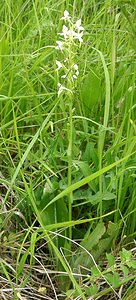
x=91 y=90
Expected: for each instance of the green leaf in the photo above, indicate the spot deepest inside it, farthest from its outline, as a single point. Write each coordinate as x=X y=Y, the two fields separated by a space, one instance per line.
x=106 y=241
x=95 y=272
x=108 y=196
x=91 y=90
x=76 y=151
x=125 y=270
x=71 y=294
x=86 y=171
x=93 y=199
x=55 y=213
x=32 y=247
x=111 y=259
x=83 y=258
x=91 y=290
x=92 y=240
x=86 y=180
x=90 y=154
x=113 y=279
x=131 y=264
x=22 y=263
x=125 y=255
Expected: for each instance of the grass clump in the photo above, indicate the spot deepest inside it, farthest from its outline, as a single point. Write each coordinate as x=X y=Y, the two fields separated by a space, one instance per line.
x=67 y=145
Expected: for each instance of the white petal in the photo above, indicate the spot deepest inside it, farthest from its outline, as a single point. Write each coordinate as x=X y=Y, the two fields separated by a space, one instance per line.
x=71 y=33
x=66 y=13
x=63 y=76
x=59 y=65
x=75 y=66
x=62 y=88
x=64 y=31
x=66 y=16
x=78 y=25
x=60 y=45
x=79 y=36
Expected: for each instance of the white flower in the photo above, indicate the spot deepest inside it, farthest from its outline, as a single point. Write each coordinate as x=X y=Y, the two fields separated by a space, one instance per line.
x=78 y=25
x=130 y=89
x=71 y=33
x=59 y=65
x=79 y=36
x=60 y=45
x=77 y=71
x=75 y=67
x=63 y=76
x=62 y=88
x=66 y=16
x=65 y=32
x=76 y=75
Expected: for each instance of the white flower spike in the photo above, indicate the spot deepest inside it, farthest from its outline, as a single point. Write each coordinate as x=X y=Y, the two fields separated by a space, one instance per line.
x=70 y=35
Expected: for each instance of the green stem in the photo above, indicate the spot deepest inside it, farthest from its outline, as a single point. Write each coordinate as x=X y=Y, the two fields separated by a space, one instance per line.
x=69 y=154
x=100 y=149
x=70 y=135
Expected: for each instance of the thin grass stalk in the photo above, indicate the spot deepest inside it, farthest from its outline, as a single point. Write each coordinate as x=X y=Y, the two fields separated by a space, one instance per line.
x=102 y=132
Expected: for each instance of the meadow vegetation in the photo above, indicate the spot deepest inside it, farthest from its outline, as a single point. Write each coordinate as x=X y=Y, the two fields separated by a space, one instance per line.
x=67 y=150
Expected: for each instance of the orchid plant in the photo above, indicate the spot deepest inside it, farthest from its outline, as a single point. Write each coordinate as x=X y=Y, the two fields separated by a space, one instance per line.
x=67 y=70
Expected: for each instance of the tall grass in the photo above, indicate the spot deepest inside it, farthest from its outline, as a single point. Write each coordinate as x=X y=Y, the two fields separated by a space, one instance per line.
x=67 y=163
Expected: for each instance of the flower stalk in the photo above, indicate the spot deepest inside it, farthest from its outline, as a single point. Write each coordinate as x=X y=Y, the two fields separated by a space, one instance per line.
x=67 y=72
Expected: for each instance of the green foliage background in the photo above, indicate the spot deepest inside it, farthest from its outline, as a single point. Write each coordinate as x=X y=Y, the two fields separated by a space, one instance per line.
x=38 y=224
